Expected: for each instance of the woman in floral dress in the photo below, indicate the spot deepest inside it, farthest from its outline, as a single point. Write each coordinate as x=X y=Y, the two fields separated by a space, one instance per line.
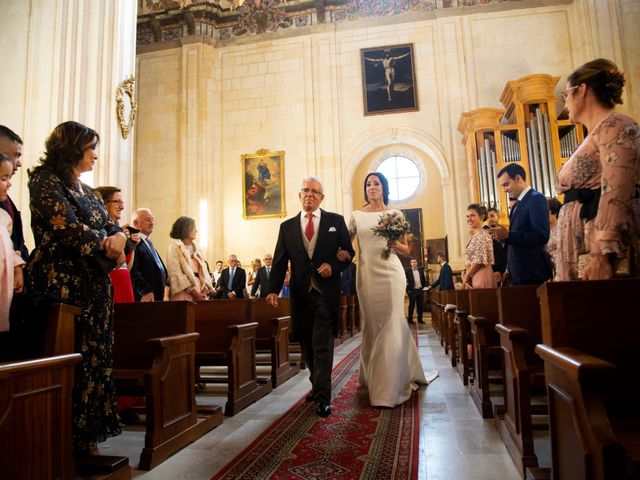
x=478 y=272
x=601 y=180
x=72 y=231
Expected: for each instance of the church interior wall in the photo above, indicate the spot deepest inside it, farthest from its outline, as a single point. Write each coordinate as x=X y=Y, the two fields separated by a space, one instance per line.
x=303 y=95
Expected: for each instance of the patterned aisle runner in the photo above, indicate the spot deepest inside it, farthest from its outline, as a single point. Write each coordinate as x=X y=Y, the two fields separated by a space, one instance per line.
x=356 y=441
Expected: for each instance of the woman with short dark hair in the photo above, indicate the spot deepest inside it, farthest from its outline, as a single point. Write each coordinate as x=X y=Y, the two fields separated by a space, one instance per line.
x=599 y=223
x=188 y=274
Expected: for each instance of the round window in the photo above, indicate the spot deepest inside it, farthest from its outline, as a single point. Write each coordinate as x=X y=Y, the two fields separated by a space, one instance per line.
x=403 y=175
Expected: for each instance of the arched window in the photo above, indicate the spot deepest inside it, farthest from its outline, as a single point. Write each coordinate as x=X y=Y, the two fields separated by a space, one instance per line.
x=403 y=175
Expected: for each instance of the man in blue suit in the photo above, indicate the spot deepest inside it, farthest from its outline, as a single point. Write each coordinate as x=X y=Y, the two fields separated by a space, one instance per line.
x=445 y=279
x=528 y=262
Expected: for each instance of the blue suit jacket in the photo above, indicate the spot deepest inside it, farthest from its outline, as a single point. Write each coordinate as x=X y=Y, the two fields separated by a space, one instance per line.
x=527 y=259
x=445 y=280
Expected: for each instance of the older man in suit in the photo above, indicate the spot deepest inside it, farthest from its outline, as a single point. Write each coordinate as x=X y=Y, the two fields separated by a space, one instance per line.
x=232 y=280
x=416 y=282
x=528 y=262
x=311 y=240
x=148 y=273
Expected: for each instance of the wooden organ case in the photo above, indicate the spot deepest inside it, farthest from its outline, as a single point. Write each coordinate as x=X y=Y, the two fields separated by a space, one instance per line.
x=527 y=131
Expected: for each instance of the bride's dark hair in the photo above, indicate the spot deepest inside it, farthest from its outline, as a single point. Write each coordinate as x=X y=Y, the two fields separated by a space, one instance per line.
x=385 y=187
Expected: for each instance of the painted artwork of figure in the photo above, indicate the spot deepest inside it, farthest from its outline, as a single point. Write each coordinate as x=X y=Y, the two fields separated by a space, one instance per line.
x=389 y=80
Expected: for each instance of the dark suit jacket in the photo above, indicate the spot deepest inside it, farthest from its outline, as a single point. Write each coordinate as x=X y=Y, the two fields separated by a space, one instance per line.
x=527 y=259
x=261 y=282
x=17 y=236
x=332 y=235
x=445 y=279
x=239 y=282
x=411 y=283
x=146 y=276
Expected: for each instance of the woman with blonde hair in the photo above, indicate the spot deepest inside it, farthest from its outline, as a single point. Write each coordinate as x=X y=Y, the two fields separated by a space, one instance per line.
x=188 y=274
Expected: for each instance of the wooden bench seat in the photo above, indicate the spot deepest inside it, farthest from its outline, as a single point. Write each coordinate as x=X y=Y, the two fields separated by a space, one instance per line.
x=228 y=339
x=272 y=336
x=463 y=335
x=520 y=331
x=35 y=418
x=483 y=317
x=154 y=357
x=590 y=334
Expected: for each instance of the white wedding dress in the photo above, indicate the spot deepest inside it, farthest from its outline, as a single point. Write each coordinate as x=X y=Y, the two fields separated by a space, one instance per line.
x=390 y=365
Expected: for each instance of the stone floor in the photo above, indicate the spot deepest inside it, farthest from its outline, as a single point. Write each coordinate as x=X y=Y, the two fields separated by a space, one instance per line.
x=455 y=442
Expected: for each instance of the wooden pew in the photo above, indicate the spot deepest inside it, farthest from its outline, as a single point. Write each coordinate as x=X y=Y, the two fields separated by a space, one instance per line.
x=353 y=314
x=272 y=335
x=483 y=317
x=451 y=331
x=446 y=298
x=434 y=299
x=35 y=418
x=228 y=339
x=345 y=329
x=154 y=355
x=520 y=330
x=463 y=335
x=590 y=334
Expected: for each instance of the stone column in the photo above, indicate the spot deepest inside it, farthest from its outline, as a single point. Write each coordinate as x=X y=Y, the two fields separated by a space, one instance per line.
x=63 y=60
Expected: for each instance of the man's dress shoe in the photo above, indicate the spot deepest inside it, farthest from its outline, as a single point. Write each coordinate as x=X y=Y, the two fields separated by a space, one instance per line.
x=324 y=410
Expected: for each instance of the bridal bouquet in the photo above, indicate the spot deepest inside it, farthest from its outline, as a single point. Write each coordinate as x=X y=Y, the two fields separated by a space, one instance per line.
x=391 y=226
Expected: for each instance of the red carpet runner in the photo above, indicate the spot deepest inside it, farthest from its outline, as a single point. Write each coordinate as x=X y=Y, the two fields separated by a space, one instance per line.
x=356 y=441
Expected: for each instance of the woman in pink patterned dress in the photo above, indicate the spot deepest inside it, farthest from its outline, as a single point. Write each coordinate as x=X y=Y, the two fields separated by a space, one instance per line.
x=601 y=211
x=479 y=252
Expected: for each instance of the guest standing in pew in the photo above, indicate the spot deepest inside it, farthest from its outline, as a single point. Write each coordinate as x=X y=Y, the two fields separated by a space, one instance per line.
x=148 y=274
x=599 y=223
x=215 y=276
x=256 y=265
x=554 y=210
x=232 y=280
x=122 y=289
x=528 y=261
x=188 y=275
x=74 y=240
x=11 y=146
x=390 y=366
x=311 y=240
x=416 y=282
x=445 y=278
x=499 y=247
x=10 y=259
x=479 y=260
x=261 y=285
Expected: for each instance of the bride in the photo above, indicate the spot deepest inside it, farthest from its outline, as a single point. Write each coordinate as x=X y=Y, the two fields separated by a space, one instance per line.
x=389 y=361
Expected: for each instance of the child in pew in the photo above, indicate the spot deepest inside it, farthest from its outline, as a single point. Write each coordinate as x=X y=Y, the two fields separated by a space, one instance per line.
x=11 y=263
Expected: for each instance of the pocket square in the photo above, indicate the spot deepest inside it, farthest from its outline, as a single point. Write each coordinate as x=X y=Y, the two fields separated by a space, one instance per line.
x=332 y=229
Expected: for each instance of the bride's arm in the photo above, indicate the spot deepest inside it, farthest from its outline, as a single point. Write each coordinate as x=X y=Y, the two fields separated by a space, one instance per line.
x=401 y=246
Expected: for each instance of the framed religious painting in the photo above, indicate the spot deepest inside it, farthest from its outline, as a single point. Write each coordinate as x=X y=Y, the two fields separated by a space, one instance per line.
x=263 y=185
x=388 y=80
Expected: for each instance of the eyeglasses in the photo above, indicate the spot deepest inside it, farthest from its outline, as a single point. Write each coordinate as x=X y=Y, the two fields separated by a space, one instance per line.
x=564 y=95
x=311 y=190
x=119 y=202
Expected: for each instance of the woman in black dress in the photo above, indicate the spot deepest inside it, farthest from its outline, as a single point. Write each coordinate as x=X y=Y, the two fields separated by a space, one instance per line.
x=75 y=243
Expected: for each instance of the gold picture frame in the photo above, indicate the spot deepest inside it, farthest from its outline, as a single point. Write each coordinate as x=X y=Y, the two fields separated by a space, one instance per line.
x=126 y=109
x=263 y=185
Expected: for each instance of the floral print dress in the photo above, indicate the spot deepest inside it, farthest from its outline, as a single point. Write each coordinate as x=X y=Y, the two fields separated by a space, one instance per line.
x=69 y=226
x=608 y=159
x=479 y=250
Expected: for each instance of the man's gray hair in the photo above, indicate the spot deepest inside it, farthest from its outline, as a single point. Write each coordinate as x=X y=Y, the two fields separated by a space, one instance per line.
x=135 y=215
x=311 y=178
